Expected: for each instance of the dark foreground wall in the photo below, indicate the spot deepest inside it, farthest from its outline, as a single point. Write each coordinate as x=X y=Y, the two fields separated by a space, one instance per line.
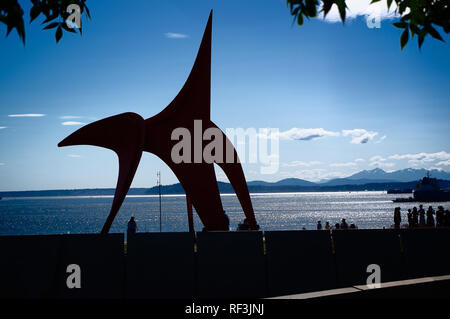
x=160 y=265
x=40 y=266
x=218 y=265
x=299 y=261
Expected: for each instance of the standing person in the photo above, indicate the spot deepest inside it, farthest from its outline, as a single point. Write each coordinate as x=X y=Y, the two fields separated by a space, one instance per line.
x=410 y=219
x=397 y=217
x=415 y=215
x=327 y=226
x=319 y=225
x=430 y=218
x=344 y=224
x=440 y=216
x=446 y=218
x=421 y=216
x=132 y=227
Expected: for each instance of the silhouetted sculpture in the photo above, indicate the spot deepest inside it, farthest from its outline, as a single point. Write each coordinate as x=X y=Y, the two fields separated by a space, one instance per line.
x=128 y=134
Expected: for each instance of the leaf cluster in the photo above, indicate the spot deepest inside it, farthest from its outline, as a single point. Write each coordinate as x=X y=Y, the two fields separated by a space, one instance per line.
x=417 y=17
x=54 y=13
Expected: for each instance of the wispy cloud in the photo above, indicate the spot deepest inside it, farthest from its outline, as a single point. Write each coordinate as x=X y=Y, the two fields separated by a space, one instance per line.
x=2 y=127
x=359 y=135
x=173 y=35
x=70 y=117
x=380 y=161
x=301 y=163
x=1 y=164
x=358 y=160
x=423 y=158
x=301 y=134
x=357 y=8
x=74 y=155
x=72 y=123
x=381 y=139
x=348 y=164
x=26 y=115
x=443 y=163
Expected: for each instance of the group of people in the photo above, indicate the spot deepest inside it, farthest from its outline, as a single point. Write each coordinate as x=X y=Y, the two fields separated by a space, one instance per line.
x=419 y=218
x=342 y=225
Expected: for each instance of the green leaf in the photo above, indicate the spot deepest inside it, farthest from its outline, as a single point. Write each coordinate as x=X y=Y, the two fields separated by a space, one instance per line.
x=404 y=38
x=389 y=2
x=34 y=13
x=400 y=25
x=421 y=39
x=433 y=32
x=58 y=34
x=342 y=9
x=51 y=25
x=300 y=19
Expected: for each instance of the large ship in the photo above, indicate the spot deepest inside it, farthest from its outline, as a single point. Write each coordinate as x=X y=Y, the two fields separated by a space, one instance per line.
x=427 y=190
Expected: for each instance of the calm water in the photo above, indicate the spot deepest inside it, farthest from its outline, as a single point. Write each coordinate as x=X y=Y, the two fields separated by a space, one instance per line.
x=281 y=211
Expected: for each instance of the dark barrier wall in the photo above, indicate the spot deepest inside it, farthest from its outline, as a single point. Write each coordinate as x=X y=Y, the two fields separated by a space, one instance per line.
x=299 y=261
x=427 y=252
x=230 y=265
x=43 y=266
x=355 y=250
x=160 y=265
x=28 y=266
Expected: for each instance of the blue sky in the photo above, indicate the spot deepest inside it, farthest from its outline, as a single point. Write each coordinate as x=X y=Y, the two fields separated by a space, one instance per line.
x=367 y=103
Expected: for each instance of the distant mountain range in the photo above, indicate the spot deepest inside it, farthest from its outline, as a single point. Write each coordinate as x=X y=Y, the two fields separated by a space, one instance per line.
x=375 y=179
x=377 y=175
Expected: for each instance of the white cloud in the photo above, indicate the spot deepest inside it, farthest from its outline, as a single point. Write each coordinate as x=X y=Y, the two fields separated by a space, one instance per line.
x=443 y=163
x=380 y=161
x=70 y=117
x=358 y=160
x=72 y=123
x=26 y=115
x=74 y=155
x=303 y=134
x=172 y=35
x=377 y=158
x=357 y=8
x=300 y=163
x=359 y=135
x=348 y=164
x=420 y=159
x=382 y=164
x=2 y=127
x=381 y=139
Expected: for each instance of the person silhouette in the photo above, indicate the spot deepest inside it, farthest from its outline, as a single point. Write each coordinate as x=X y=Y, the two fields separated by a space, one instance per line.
x=430 y=218
x=132 y=226
x=319 y=225
x=397 y=217
x=440 y=216
x=410 y=219
x=415 y=215
x=421 y=216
